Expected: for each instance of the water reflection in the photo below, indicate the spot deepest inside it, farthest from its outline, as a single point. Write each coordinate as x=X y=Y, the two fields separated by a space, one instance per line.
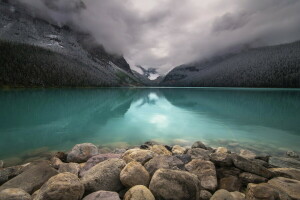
x=59 y=118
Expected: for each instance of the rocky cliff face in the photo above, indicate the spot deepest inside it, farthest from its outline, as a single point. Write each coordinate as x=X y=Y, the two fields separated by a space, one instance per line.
x=275 y=66
x=68 y=55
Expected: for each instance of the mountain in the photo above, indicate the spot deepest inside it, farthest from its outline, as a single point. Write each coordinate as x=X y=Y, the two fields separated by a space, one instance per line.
x=273 y=66
x=146 y=75
x=36 y=53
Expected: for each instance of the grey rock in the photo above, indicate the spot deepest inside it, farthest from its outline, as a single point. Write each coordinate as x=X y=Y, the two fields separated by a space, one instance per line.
x=289 y=186
x=206 y=173
x=221 y=159
x=287 y=173
x=10 y=172
x=174 y=185
x=261 y=191
x=95 y=160
x=31 y=179
x=284 y=162
x=184 y=158
x=262 y=163
x=198 y=153
x=14 y=194
x=102 y=195
x=205 y=195
x=222 y=195
x=251 y=178
x=64 y=186
x=104 y=176
x=228 y=171
x=251 y=167
x=199 y=144
x=134 y=174
x=139 y=155
x=139 y=192
x=292 y=154
x=230 y=183
x=163 y=162
x=82 y=152
x=69 y=167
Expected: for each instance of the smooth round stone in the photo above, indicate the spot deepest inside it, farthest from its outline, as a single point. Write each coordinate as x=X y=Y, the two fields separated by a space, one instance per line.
x=199 y=144
x=222 y=150
x=222 y=195
x=247 y=154
x=139 y=155
x=69 y=167
x=178 y=150
x=82 y=152
x=134 y=174
x=139 y=192
x=102 y=195
x=160 y=150
x=14 y=194
x=289 y=186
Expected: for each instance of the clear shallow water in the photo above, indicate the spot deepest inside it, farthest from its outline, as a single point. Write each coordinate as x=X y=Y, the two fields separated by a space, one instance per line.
x=34 y=121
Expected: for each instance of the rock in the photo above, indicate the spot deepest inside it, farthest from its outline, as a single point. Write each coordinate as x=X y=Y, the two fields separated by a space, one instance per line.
x=102 y=195
x=292 y=154
x=163 y=162
x=55 y=162
x=251 y=178
x=104 y=176
x=184 y=158
x=251 y=167
x=247 y=154
x=222 y=195
x=206 y=173
x=178 y=150
x=237 y=195
x=82 y=152
x=32 y=178
x=287 y=173
x=199 y=144
x=284 y=162
x=160 y=150
x=64 y=186
x=10 y=172
x=119 y=151
x=227 y=171
x=289 y=186
x=263 y=158
x=198 y=153
x=95 y=160
x=230 y=183
x=34 y=194
x=169 y=148
x=134 y=174
x=62 y=156
x=222 y=150
x=151 y=143
x=139 y=155
x=174 y=185
x=205 y=195
x=14 y=194
x=139 y=192
x=262 y=163
x=73 y=168
x=261 y=191
x=1 y=163
x=144 y=146
x=221 y=159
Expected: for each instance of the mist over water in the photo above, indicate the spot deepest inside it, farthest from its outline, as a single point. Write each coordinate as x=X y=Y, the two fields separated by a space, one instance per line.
x=265 y=120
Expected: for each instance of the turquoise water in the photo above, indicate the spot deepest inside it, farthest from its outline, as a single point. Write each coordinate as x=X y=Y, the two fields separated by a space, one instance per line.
x=38 y=120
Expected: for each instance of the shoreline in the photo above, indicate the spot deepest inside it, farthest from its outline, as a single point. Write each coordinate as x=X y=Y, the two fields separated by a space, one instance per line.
x=147 y=172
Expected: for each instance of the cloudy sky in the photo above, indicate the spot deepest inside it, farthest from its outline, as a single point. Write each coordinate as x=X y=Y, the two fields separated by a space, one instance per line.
x=166 y=33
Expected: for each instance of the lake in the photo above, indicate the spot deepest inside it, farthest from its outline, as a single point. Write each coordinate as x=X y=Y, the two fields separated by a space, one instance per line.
x=35 y=121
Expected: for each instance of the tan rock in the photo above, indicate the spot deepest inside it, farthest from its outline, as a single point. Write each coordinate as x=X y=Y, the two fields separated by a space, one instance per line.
x=160 y=150
x=289 y=186
x=134 y=174
x=69 y=167
x=261 y=191
x=222 y=150
x=139 y=155
x=287 y=173
x=14 y=194
x=178 y=150
x=139 y=192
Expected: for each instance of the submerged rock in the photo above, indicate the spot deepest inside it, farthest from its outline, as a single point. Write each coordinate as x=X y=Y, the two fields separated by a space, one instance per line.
x=287 y=173
x=134 y=174
x=292 y=154
x=289 y=186
x=178 y=150
x=69 y=167
x=160 y=150
x=261 y=191
x=102 y=195
x=174 y=185
x=139 y=192
x=82 y=152
x=222 y=150
x=163 y=162
x=199 y=144
x=14 y=194
x=64 y=186
x=222 y=195
x=198 y=153
x=139 y=155
x=284 y=162
x=247 y=154
x=104 y=176
x=206 y=173
x=31 y=179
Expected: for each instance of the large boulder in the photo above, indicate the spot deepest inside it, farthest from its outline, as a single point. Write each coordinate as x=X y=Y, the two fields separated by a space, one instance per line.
x=199 y=144
x=178 y=150
x=206 y=173
x=230 y=183
x=261 y=191
x=163 y=162
x=160 y=150
x=102 y=195
x=64 y=186
x=32 y=178
x=69 y=167
x=134 y=174
x=221 y=159
x=246 y=178
x=290 y=186
x=198 y=153
x=287 y=173
x=95 y=160
x=174 y=185
x=251 y=167
x=104 y=176
x=82 y=152
x=139 y=155
x=222 y=195
x=139 y=192
x=14 y=194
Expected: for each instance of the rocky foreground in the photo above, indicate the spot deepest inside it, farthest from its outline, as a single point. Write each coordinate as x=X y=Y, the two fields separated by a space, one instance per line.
x=152 y=171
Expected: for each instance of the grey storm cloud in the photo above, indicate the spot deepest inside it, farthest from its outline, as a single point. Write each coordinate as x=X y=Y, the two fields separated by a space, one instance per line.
x=163 y=34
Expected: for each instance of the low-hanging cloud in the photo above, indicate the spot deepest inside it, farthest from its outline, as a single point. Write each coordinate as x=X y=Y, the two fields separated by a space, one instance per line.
x=163 y=34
